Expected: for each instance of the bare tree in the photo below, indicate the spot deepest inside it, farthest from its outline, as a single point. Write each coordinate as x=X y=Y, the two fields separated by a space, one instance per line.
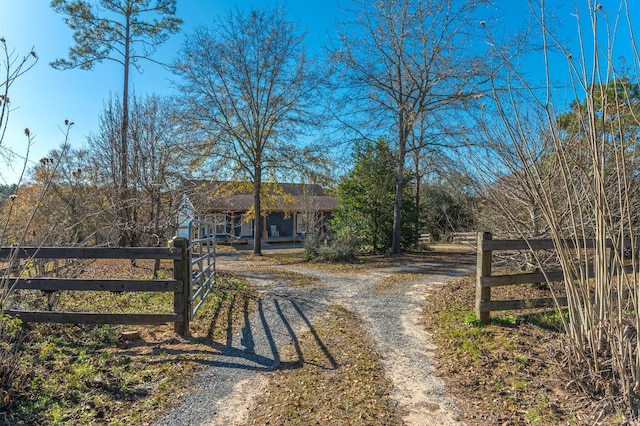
x=112 y=32
x=249 y=87
x=106 y=163
x=309 y=218
x=580 y=171
x=70 y=217
x=157 y=163
x=13 y=66
x=12 y=372
x=405 y=62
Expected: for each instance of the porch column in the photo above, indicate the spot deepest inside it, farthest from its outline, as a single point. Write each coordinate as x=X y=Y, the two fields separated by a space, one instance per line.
x=265 y=233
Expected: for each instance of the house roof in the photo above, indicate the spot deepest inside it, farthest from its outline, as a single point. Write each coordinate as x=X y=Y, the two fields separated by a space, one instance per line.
x=217 y=196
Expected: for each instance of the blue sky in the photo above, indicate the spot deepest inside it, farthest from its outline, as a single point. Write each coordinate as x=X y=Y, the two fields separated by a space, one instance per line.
x=43 y=98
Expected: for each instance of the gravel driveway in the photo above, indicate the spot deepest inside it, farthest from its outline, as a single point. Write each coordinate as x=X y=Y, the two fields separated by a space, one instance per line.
x=226 y=389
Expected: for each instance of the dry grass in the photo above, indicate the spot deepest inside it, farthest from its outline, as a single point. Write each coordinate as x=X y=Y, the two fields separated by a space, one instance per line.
x=391 y=282
x=90 y=375
x=360 y=264
x=338 y=379
x=511 y=371
x=294 y=279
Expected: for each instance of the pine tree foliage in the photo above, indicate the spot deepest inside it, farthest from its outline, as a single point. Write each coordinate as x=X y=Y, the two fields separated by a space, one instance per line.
x=366 y=195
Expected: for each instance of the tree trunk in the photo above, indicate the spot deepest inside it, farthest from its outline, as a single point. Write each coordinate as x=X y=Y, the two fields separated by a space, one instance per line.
x=257 y=224
x=418 y=179
x=125 y=237
x=397 y=203
x=156 y=222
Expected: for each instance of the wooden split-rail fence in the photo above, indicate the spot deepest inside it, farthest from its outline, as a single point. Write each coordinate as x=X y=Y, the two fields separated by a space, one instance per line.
x=194 y=277
x=486 y=281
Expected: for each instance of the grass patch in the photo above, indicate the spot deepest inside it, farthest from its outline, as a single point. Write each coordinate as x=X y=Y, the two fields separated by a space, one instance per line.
x=338 y=380
x=507 y=372
x=272 y=270
x=90 y=375
x=549 y=320
x=89 y=381
x=284 y=257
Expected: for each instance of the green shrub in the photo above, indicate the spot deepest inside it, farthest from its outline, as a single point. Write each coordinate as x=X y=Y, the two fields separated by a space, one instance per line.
x=311 y=247
x=337 y=251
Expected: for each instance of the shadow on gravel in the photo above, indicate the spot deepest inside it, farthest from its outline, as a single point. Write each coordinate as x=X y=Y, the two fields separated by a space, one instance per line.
x=323 y=347
x=274 y=319
x=257 y=345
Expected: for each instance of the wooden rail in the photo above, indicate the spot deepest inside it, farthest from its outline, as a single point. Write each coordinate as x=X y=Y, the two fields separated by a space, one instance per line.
x=463 y=238
x=91 y=252
x=180 y=285
x=486 y=281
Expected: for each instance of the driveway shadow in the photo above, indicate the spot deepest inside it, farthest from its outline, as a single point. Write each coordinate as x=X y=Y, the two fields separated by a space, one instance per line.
x=263 y=335
x=257 y=345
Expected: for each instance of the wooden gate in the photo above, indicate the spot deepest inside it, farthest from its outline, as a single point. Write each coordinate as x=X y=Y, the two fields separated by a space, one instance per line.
x=193 y=270
x=202 y=252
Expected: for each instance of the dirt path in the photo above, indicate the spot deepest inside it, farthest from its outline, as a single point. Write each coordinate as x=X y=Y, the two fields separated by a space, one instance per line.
x=390 y=314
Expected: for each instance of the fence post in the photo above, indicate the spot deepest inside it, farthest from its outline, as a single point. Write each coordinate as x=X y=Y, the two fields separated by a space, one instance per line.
x=182 y=301
x=483 y=294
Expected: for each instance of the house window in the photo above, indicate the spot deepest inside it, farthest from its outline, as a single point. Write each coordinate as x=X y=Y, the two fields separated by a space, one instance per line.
x=220 y=221
x=246 y=227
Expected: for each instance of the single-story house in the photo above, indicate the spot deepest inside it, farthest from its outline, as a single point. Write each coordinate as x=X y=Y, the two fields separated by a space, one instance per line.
x=293 y=210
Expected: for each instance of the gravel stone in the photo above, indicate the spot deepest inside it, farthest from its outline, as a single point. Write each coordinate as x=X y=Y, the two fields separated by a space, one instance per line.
x=225 y=390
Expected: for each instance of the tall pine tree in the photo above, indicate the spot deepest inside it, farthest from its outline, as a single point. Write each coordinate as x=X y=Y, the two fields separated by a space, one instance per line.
x=111 y=31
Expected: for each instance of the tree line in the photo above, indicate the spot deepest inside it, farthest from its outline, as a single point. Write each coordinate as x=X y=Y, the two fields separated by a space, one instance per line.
x=254 y=106
x=401 y=84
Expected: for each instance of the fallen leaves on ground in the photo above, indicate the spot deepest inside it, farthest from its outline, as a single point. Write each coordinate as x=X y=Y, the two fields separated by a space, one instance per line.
x=508 y=372
x=333 y=376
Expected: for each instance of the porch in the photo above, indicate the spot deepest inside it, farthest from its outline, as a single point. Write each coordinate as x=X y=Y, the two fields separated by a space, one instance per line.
x=277 y=227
